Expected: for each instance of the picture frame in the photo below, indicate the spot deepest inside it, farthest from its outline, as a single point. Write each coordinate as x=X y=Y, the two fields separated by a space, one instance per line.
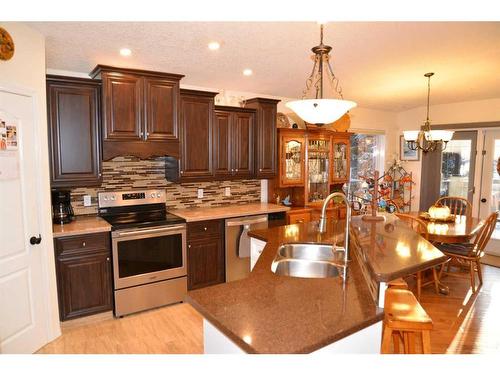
x=405 y=154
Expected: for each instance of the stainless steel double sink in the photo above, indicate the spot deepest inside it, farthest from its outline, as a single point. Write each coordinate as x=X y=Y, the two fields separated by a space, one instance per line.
x=309 y=260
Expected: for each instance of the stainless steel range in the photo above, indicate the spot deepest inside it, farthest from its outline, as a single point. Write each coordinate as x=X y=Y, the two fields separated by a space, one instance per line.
x=148 y=249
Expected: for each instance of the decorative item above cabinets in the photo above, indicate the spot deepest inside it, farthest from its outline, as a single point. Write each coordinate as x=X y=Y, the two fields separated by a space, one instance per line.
x=140 y=112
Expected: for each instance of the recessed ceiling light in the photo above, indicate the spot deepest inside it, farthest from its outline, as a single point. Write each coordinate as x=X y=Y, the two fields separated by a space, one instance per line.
x=247 y=72
x=125 y=52
x=214 y=46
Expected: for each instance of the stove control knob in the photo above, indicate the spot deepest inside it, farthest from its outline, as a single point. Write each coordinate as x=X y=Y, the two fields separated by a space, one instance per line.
x=152 y=195
x=105 y=198
x=158 y=195
x=113 y=198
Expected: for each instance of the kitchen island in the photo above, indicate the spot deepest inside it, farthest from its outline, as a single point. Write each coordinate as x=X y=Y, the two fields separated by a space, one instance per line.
x=267 y=313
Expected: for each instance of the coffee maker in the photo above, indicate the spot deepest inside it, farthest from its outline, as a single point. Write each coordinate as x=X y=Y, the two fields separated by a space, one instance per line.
x=62 y=212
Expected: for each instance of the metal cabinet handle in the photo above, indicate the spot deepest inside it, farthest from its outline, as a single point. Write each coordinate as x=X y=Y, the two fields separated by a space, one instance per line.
x=189 y=246
x=84 y=244
x=205 y=229
x=107 y=259
x=236 y=170
x=141 y=134
x=483 y=200
x=182 y=172
x=260 y=170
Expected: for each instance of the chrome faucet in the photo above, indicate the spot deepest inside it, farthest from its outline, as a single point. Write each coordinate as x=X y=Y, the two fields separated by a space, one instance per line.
x=322 y=220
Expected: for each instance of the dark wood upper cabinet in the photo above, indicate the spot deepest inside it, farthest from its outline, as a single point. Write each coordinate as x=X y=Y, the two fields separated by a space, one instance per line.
x=122 y=107
x=243 y=159
x=161 y=104
x=233 y=142
x=265 y=136
x=74 y=131
x=140 y=112
x=195 y=131
x=222 y=146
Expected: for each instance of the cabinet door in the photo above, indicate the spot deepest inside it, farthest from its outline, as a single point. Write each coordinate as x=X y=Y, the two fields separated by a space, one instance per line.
x=122 y=98
x=161 y=102
x=341 y=157
x=266 y=141
x=74 y=133
x=84 y=285
x=292 y=159
x=242 y=139
x=196 y=137
x=205 y=262
x=222 y=145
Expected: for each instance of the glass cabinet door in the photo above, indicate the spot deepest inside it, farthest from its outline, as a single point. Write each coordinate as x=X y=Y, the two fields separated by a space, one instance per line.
x=340 y=163
x=318 y=167
x=293 y=151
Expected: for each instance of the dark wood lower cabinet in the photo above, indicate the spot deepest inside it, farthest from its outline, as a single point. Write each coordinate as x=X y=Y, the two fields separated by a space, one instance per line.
x=206 y=256
x=84 y=276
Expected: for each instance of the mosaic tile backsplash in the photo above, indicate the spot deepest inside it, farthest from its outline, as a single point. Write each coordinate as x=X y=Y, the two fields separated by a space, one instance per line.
x=130 y=173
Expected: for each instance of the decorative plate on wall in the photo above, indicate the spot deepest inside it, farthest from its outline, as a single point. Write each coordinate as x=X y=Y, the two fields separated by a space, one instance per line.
x=6 y=45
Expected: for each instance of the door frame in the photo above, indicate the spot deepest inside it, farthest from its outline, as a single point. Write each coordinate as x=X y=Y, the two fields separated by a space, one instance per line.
x=43 y=205
x=480 y=127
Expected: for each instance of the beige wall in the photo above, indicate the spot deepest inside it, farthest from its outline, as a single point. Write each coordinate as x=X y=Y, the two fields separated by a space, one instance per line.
x=26 y=71
x=453 y=113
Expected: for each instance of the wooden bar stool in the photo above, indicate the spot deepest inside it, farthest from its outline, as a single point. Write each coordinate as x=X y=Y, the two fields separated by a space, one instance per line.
x=398 y=284
x=404 y=319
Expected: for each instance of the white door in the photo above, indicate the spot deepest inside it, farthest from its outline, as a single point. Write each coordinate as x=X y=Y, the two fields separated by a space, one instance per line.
x=23 y=303
x=489 y=199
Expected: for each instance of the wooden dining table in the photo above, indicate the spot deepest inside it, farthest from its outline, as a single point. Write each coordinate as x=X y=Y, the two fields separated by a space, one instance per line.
x=463 y=229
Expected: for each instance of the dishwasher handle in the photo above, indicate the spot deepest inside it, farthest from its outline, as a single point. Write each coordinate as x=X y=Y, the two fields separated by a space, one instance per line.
x=245 y=221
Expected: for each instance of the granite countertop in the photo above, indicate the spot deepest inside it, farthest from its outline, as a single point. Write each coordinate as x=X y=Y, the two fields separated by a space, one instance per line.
x=267 y=313
x=223 y=212
x=81 y=225
x=392 y=249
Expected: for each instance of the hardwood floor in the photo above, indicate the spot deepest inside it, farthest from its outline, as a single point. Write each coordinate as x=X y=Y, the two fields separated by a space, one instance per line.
x=175 y=329
x=463 y=323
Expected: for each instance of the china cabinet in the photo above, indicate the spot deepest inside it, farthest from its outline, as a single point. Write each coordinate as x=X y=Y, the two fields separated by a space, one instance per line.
x=312 y=164
x=292 y=158
x=340 y=158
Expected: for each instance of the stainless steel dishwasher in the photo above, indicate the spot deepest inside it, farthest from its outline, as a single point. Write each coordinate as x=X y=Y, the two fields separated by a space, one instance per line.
x=238 y=244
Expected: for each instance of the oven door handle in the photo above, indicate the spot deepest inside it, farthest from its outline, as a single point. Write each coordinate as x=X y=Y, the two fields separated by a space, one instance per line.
x=167 y=230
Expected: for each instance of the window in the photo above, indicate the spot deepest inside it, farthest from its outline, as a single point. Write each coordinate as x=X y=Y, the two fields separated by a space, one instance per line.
x=367 y=155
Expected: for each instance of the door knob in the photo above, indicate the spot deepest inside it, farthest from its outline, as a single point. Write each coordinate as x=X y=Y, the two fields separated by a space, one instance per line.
x=483 y=200
x=36 y=240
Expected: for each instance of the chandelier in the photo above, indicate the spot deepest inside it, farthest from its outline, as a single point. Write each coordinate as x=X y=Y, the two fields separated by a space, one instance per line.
x=427 y=139
x=321 y=111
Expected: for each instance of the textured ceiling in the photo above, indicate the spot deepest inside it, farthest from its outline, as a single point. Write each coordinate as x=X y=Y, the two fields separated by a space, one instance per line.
x=380 y=64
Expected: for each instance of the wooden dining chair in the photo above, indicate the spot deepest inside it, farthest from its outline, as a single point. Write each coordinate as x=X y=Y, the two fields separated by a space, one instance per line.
x=457 y=205
x=419 y=226
x=469 y=254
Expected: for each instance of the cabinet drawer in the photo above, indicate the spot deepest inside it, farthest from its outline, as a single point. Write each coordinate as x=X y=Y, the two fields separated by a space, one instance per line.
x=66 y=246
x=212 y=228
x=297 y=218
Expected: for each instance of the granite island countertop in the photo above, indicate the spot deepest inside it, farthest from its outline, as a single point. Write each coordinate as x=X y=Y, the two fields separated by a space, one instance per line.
x=267 y=313
x=84 y=224
x=224 y=212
